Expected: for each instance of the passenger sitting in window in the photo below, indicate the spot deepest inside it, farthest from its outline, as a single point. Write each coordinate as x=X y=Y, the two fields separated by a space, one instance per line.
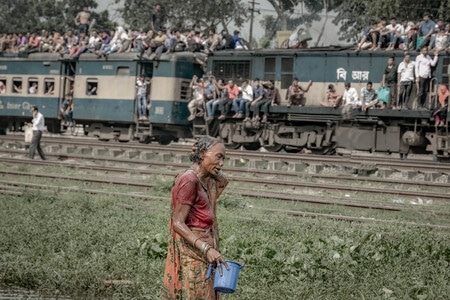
x=66 y=111
x=296 y=93
x=197 y=102
x=2 y=87
x=33 y=88
x=334 y=98
x=369 y=97
x=49 y=88
x=239 y=103
x=17 y=87
x=91 y=90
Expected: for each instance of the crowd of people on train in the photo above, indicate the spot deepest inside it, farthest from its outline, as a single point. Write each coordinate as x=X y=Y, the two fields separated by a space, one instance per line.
x=251 y=102
x=156 y=39
x=406 y=35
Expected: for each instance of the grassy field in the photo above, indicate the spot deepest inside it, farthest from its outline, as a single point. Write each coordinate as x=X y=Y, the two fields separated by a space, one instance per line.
x=70 y=243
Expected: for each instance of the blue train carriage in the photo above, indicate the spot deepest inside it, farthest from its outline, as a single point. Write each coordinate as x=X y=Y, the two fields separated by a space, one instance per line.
x=35 y=79
x=170 y=95
x=105 y=96
x=321 y=129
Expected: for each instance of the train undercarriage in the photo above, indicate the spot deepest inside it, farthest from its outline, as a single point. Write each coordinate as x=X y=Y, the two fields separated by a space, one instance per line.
x=330 y=136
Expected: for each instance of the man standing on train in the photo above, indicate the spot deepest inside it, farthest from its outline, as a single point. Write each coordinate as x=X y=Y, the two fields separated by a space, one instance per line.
x=406 y=78
x=83 y=20
x=38 y=127
x=390 y=80
x=423 y=74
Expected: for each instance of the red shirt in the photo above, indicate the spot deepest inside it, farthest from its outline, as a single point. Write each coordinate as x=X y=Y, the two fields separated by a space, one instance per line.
x=189 y=191
x=232 y=91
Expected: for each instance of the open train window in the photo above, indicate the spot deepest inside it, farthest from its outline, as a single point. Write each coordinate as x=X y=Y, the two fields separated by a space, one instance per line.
x=91 y=86
x=184 y=91
x=49 y=86
x=123 y=71
x=287 y=69
x=2 y=86
x=17 y=85
x=33 y=86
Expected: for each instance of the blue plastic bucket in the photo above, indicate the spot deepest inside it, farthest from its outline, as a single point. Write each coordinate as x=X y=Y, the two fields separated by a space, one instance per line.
x=228 y=281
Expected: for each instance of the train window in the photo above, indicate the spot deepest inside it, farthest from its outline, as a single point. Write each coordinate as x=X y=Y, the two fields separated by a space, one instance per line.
x=49 y=86
x=123 y=71
x=91 y=86
x=17 y=85
x=184 y=91
x=2 y=86
x=286 y=80
x=33 y=86
x=269 y=65
x=287 y=65
x=236 y=70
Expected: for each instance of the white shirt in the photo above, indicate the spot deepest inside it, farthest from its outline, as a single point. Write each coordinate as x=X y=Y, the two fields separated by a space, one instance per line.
x=424 y=64
x=247 y=93
x=406 y=71
x=404 y=31
x=395 y=28
x=351 y=96
x=38 y=122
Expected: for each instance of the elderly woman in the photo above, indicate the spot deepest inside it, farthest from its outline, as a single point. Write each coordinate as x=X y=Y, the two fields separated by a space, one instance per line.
x=193 y=241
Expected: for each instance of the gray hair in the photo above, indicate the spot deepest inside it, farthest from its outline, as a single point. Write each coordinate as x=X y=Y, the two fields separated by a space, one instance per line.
x=202 y=144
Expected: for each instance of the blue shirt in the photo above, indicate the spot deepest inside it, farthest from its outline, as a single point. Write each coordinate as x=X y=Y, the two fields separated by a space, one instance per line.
x=426 y=27
x=258 y=91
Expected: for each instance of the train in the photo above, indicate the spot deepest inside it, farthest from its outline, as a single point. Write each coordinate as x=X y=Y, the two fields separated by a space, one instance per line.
x=111 y=112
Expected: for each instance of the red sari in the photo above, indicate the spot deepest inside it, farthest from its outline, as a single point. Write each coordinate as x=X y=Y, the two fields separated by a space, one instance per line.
x=186 y=267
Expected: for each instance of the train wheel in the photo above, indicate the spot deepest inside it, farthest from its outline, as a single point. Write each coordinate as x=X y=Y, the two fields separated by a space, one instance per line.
x=274 y=148
x=290 y=149
x=252 y=146
x=165 y=140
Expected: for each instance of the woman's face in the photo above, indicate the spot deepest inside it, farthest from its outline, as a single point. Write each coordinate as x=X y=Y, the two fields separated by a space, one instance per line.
x=213 y=159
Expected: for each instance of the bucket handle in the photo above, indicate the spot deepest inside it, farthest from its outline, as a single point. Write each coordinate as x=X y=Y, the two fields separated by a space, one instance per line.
x=209 y=271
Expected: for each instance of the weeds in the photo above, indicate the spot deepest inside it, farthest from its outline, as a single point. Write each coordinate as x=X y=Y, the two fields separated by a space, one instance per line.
x=69 y=243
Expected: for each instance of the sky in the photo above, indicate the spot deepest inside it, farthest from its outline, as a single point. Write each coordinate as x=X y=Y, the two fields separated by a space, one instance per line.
x=330 y=36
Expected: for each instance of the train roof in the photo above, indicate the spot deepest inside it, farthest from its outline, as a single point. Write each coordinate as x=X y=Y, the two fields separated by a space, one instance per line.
x=189 y=56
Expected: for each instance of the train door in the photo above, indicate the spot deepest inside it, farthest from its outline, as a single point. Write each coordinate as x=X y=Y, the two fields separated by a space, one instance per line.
x=281 y=70
x=66 y=85
x=143 y=127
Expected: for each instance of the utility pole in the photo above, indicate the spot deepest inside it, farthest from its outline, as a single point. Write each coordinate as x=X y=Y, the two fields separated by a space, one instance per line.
x=252 y=10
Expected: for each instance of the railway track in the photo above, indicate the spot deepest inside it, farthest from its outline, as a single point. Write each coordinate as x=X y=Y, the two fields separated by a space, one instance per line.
x=290 y=186
x=355 y=161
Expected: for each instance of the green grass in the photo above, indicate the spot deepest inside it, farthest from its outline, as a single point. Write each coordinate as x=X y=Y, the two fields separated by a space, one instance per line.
x=69 y=243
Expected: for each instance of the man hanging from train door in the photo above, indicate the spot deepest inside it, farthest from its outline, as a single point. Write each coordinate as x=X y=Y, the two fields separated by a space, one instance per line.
x=141 y=92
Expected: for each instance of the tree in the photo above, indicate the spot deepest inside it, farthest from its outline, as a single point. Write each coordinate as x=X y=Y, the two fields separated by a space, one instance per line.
x=292 y=13
x=31 y=15
x=354 y=15
x=198 y=14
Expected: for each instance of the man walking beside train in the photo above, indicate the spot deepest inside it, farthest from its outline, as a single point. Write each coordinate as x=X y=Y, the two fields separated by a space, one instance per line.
x=38 y=127
x=423 y=74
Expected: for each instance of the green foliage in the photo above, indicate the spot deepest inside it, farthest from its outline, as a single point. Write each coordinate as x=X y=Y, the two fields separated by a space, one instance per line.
x=70 y=243
x=354 y=15
x=30 y=15
x=196 y=14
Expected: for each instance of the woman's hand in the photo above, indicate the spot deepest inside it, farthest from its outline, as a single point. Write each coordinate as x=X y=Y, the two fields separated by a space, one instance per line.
x=214 y=256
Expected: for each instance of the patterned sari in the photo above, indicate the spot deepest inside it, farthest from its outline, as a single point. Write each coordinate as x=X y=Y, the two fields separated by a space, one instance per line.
x=186 y=267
